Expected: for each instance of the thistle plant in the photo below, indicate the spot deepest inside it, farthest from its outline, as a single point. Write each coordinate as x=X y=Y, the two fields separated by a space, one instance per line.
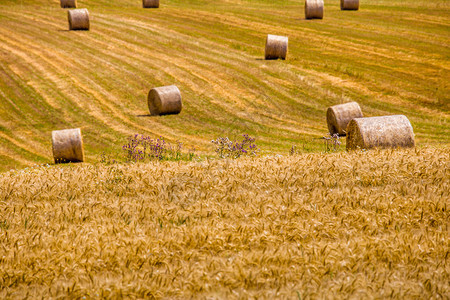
x=332 y=142
x=293 y=150
x=140 y=148
x=225 y=148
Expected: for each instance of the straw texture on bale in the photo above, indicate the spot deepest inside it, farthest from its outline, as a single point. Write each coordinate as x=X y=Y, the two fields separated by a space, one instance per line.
x=314 y=9
x=164 y=100
x=78 y=19
x=338 y=117
x=380 y=132
x=68 y=3
x=276 y=47
x=349 y=4
x=150 y=3
x=67 y=145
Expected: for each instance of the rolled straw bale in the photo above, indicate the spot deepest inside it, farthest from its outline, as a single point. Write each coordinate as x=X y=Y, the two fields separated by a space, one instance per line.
x=276 y=47
x=164 y=100
x=380 y=132
x=338 y=117
x=314 y=9
x=67 y=145
x=150 y=3
x=349 y=4
x=78 y=19
x=68 y=3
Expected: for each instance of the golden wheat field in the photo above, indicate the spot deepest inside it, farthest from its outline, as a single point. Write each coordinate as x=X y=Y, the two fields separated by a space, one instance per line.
x=365 y=224
x=303 y=225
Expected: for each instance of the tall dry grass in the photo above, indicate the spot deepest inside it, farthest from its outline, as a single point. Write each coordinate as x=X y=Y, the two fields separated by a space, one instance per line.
x=348 y=225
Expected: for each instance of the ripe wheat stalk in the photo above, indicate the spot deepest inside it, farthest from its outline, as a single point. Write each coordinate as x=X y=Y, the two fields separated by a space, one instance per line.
x=348 y=225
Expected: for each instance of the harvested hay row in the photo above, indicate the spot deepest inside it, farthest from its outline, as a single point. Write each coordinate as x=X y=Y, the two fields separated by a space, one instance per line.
x=150 y=3
x=164 y=100
x=380 y=132
x=314 y=9
x=78 y=19
x=67 y=145
x=338 y=117
x=276 y=47
x=349 y=4
x=68 y=3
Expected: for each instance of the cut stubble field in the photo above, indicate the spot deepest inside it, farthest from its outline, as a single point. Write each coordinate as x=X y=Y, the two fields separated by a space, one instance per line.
x=390 y=56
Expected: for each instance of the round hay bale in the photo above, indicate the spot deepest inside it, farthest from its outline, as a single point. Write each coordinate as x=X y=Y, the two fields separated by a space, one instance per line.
x=338 y=117
x=380 y=132
x=349 y=4
x=150 y=3
x=314 y=9
x=78 y=19
x=276 y=47
x=68 y=3
x=67 y=145
x=164 y=100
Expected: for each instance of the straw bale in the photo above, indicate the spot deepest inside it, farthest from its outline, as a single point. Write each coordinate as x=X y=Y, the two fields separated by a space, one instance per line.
x=164 y=100
x=150 y=3
x=349 y=4
x=314 y=9
x=276 y=47
x=68 y=3
x=338 y=117
x=67 y=145
x=380 y=132
x=78 y=19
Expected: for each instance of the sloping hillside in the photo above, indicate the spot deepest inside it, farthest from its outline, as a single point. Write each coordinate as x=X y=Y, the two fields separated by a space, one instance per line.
x=390 y=56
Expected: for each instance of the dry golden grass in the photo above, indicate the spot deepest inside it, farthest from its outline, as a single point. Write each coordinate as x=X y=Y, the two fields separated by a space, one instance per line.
x=348 y=225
